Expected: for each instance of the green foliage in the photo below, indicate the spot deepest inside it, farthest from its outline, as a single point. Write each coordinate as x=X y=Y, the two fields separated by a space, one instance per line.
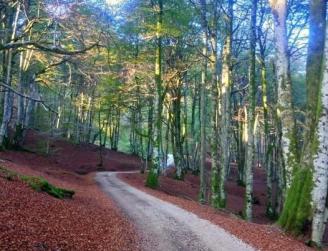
x=37 y=183
x=297 y=208
x=152 y=179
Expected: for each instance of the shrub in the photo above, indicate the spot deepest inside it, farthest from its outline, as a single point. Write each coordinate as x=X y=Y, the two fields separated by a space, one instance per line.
x=152 y=179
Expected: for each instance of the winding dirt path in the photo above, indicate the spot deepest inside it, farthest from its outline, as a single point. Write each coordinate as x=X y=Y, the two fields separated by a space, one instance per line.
x=164 y=226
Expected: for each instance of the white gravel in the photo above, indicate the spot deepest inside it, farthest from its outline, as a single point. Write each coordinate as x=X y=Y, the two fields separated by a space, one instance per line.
x=164 y=226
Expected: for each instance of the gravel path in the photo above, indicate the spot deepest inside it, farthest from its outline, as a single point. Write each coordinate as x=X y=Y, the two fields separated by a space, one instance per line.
x=164 y=226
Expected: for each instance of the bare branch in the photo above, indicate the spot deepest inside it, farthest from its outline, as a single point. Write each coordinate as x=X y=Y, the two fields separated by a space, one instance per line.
x=45 y=106
x=55 y=50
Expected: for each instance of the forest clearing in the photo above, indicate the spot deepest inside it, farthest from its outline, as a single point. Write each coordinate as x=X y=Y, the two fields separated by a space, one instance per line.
x=163 y=125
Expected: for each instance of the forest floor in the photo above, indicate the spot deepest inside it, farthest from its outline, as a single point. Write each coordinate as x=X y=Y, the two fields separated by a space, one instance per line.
x=92 y=220
x=30 y=220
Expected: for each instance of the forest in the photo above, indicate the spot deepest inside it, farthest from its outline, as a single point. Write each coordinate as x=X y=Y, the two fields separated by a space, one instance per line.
x=205 y=90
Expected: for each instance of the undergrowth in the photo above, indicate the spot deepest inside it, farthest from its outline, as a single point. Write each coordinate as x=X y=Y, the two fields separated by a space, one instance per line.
x=152 y=179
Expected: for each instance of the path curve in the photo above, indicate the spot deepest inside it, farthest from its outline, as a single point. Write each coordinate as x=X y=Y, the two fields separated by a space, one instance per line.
x=164 y=226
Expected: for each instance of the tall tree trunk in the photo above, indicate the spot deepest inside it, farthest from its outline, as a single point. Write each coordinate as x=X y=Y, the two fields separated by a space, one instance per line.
x=314 y=66
x=100 y=128
x=30 y=107
x=268 y=145
x=225 y=93
x=313 y=165
x=316 y=144
x=185 y=128
x=320 y=174
x=215 y=106
x=177 y=143
x=150 y=132
x=202 y=192
x=8 y=98
x=251 y=119
x=158 y=81
x=284 y=102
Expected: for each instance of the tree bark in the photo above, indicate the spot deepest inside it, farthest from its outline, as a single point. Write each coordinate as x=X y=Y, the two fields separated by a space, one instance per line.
x=314 y=66
x=284 y=103
x=320 y=144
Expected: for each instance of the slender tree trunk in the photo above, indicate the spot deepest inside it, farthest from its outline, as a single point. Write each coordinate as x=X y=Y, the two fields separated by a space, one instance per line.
x=34 y=93
x=150 y=131
x=21 y=108
x=268 y=146
x=215 y=96
x=100 y=164
x=8 y=98
x=194 y=146
x=185 y=128
x=202 y=192
x=241 y=144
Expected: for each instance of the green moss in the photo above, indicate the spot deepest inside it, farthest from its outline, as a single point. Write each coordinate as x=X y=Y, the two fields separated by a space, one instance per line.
x=297 y=208
x=215 y=202
x=37 y=183
x=152 y=179
x=223 y=203
x=41 y=185
x=8 y=174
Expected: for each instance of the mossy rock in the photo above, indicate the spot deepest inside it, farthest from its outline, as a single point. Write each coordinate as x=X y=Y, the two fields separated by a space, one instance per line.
x=37 y=183
x=41 y=185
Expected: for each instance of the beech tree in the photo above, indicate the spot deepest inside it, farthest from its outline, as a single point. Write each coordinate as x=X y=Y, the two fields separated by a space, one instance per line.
x=251 y=117
x=315 y=150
